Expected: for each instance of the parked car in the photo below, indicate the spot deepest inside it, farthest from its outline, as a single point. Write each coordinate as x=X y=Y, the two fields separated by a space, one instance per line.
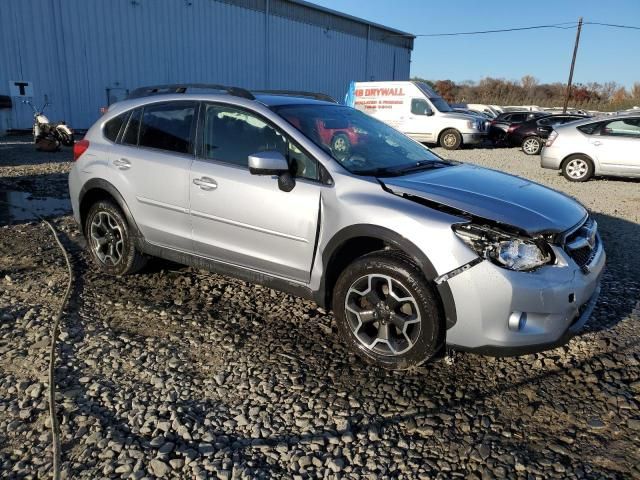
x=411 y=251
x=417 y=111
x=492 y=111
x=597 y=146
x=531 y=134
x=499 y=125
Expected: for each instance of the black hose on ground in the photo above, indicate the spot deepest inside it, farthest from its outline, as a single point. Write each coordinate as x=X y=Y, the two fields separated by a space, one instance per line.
x=55 y=429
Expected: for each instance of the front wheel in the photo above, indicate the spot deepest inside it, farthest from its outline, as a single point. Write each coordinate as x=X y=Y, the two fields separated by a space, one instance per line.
x=110 y=240
x=451 y=139
x=386 y=311
x=532 y=145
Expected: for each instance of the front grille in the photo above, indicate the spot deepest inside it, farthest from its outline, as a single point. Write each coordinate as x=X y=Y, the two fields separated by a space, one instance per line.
x=583 y=244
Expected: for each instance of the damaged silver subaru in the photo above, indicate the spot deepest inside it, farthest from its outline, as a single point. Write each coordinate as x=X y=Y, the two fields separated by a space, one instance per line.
x=291 y=190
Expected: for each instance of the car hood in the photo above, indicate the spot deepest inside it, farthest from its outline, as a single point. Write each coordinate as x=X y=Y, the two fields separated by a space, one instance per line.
x=492 y=195
x=459 y=116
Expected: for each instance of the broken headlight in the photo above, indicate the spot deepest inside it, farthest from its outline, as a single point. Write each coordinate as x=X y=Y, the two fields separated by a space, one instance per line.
x=505 y=249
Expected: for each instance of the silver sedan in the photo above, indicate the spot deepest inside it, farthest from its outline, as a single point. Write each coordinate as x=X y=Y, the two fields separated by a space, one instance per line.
x=597 y=146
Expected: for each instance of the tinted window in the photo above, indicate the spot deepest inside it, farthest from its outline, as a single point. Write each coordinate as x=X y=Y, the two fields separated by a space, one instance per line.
x=231 y=135
x=420 y=107
x=628 y=127
x=130 y=136
x=518 y=117
x=590 y=128
x=167 y=126
x=113 y=126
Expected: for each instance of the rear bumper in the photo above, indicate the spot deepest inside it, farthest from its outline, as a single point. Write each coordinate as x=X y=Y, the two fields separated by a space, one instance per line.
x=549 y=158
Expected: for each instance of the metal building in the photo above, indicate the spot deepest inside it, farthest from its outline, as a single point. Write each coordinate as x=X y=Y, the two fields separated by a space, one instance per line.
x=84 y=54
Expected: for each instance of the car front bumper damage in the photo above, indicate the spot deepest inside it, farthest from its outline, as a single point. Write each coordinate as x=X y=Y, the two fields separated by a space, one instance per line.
x=502 y=312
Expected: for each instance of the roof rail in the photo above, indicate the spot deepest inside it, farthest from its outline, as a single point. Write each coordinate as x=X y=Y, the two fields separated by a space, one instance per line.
x=184 y=87
x=296 y=93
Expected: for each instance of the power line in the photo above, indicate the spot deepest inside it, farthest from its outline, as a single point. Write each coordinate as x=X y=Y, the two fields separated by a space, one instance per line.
x=632 y=27
x=559 y=26
x=562 y=26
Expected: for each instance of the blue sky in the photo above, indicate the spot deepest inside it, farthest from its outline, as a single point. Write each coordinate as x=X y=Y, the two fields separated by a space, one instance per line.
x=605 y=54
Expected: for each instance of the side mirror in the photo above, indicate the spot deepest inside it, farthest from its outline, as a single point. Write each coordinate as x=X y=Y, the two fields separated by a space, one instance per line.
x=268 y=163
x=428 y=112
x=272 y=163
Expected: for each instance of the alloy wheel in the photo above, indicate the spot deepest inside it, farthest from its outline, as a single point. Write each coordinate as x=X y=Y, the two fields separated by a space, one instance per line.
x=577 y=168
x=531 y=146
x=382 y=314
x=107 y=238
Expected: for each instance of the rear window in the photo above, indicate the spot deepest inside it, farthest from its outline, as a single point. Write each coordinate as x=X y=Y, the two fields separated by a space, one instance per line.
x=130 y=136
x=167 y=126
x=113 y=126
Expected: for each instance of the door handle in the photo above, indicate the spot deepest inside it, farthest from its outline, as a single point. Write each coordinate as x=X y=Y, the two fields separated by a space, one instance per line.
x=205 y=183
x=596 y=143
x=122 y=163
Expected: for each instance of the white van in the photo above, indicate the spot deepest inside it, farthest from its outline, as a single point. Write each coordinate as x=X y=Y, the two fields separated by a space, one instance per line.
x=417 y=111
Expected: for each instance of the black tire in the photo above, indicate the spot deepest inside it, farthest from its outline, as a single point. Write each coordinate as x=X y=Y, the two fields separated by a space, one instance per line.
x=577 y=168
x=532 y=145
x=341 y=145
x=451 y=139
x=406 y=278
x=66 y=139
x=130 y=260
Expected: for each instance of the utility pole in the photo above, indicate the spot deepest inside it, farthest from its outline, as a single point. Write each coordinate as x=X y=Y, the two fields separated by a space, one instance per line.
x=573 y=62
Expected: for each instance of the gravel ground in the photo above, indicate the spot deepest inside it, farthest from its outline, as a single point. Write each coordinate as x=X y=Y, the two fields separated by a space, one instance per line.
x=177 y=373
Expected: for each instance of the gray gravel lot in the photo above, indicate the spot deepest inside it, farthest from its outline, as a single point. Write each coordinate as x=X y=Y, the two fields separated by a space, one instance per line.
x=177 y=373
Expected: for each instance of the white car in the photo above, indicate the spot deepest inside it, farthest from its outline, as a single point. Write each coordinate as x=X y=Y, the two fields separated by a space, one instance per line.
x=419 y=112
x=597 y=146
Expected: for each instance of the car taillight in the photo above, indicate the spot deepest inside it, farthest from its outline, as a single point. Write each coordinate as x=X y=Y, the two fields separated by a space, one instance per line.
x=79 y=148
x=552 y=137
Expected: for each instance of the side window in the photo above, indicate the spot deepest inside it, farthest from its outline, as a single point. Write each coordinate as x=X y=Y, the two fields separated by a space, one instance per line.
x=167 y=126
x=113 y=126
x=230 y=135
x=130 y=136
x=590 y=128
x=420 y=107
x=628 y=127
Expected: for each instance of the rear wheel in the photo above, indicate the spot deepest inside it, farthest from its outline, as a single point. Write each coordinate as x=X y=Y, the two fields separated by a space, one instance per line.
x=110 y=240
x=451 y=139
x=577 y=168
x=532 y=145
x=386 y=311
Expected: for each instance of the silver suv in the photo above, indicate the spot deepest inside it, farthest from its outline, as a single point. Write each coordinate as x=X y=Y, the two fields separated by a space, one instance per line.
x=411 y=251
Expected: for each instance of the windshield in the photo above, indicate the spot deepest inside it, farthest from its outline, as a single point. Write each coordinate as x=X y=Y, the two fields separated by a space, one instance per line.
x=440 y=104
x=360 y=143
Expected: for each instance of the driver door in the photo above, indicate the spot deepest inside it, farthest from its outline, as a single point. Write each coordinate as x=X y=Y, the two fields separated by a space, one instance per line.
x=618 y=146
x=418 y=124
x=244 y=219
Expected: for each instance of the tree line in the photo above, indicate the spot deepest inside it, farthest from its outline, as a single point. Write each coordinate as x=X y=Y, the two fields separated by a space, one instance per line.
x=608 y=96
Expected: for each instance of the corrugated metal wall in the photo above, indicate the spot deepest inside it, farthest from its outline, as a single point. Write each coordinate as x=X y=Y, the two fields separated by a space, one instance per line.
x=74 y=50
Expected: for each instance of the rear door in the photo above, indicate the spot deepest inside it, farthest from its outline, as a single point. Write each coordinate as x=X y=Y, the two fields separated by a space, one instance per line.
x=244 y=219
x=618 y=146
x=150 y=166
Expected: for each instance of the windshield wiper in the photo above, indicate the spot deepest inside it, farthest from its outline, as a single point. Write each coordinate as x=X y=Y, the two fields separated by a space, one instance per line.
x=405 y=169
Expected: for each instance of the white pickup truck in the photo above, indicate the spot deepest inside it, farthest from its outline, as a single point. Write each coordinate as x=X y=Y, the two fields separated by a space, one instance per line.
x=419 y=112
